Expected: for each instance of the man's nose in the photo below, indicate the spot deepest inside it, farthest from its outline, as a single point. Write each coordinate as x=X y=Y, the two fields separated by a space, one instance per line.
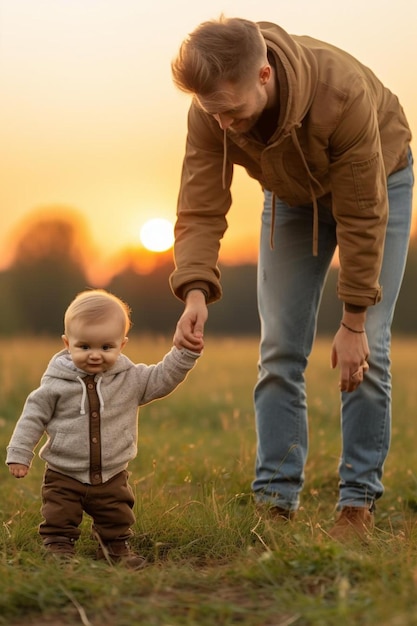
x=223 y=120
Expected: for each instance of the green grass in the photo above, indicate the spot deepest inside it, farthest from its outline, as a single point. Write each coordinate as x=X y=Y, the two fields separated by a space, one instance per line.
x=212 y=559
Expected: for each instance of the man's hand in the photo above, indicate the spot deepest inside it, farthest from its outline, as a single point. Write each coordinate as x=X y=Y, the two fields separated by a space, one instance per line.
x=190 y=327
x=350 y=351
x=18 y=470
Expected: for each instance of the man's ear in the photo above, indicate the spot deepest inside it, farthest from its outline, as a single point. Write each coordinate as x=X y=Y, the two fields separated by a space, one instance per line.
x=265 y=73
x=65 y=340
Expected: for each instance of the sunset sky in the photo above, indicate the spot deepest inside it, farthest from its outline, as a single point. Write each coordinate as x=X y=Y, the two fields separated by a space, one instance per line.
x=90 y=119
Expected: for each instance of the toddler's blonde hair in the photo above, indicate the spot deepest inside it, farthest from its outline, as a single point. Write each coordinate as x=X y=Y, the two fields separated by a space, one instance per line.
x=93 y=305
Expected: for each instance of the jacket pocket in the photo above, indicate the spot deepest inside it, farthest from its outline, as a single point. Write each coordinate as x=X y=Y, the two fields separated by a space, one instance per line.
x=367 y=182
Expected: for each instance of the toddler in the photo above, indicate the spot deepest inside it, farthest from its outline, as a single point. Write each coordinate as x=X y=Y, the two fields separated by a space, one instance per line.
x=87 y=404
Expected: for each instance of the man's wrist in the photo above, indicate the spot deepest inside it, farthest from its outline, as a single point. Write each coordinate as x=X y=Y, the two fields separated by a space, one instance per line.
x=354 y=308
x=354 y=318
x=352 y=330
x=196 y=290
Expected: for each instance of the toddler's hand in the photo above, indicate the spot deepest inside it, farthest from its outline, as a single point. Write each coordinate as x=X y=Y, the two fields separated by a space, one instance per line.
x=18 y=470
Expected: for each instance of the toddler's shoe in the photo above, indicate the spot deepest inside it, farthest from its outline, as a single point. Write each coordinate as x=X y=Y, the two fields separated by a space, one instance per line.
x=120 y=552
x=62 y=548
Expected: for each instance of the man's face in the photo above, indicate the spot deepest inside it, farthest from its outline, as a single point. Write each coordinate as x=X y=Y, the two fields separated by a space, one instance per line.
x=237 y=107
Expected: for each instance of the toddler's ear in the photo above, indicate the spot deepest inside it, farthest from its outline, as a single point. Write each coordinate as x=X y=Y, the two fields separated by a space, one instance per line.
x=124 y=342
x=65 y=340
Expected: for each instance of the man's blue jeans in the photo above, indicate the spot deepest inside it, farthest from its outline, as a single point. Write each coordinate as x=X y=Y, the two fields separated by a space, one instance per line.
x=290 y=285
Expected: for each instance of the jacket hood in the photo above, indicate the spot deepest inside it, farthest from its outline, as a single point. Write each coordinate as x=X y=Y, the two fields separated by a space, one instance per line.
x=297 y=73
x=61 y=366
x=296 y=77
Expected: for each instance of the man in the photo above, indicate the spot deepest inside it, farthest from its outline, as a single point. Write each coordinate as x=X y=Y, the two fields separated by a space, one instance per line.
x=329 y=145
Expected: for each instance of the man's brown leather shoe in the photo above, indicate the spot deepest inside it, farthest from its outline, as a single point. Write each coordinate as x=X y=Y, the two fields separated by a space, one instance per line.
x=352 y=524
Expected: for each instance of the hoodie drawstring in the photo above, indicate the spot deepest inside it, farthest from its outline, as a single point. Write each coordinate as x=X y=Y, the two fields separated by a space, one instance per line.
x=100 y=396
x=84 y=395
x=273 y=212
x=224 y=158
x=311 y=180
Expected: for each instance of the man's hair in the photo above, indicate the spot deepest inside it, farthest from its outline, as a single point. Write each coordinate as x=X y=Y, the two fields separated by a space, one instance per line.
x=95 y=305
x=227 y=49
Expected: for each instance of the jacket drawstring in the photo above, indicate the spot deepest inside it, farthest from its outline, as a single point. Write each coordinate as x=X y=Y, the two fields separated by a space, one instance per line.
x=273 y=211
x=100 y=396
x=224 y=158
x=84 y=395
x=311 y=180
x=271 y=240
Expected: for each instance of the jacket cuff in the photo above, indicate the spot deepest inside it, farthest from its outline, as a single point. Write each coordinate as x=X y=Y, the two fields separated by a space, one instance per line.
x=198 y=285
x=354 y=308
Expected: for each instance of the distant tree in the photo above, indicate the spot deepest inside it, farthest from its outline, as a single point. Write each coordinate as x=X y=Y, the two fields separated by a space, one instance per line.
x=47 y=268
x=51 y=252
x=154 y=308
x=10 y=315
x=236 y=313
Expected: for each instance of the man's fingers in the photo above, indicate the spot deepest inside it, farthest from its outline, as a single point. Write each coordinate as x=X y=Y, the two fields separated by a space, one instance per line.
x=357 y=376
x=353 y=381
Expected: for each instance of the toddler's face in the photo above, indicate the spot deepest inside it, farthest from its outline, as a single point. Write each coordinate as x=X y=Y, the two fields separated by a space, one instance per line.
x=95 y=348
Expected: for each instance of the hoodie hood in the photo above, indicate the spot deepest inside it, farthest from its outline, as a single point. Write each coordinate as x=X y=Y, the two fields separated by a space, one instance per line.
x=61 y=366
x=297 y=74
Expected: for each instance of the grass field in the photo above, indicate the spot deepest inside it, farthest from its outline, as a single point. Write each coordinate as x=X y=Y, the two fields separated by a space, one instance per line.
x=212 y=559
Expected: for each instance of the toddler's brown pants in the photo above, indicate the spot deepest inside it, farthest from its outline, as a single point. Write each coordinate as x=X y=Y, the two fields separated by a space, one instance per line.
x=64 y=500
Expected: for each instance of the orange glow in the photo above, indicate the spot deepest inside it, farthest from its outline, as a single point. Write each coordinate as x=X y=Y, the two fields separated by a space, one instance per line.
x=101 y=127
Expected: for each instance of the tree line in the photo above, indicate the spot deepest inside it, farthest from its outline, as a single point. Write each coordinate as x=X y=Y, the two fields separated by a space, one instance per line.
x=48 y=269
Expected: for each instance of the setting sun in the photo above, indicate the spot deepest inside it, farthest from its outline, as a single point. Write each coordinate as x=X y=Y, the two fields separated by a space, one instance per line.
x=157 y=235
